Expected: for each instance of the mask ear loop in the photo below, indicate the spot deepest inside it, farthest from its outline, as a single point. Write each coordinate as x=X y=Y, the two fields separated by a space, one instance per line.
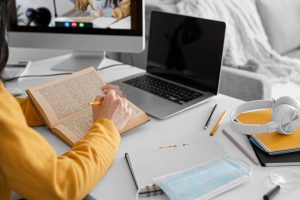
x=137 y=194
x=245 y=165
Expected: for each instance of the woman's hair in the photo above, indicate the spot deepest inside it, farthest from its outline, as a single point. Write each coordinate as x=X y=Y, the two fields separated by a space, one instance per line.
x=3 y=43
x=115 y=3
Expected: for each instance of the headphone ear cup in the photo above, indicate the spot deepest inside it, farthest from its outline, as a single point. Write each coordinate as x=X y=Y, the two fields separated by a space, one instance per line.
x=283 y=116
x=286 y=100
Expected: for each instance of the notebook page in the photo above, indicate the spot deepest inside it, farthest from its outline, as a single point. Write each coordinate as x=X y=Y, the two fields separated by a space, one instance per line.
x=122 y=24
x=147 y=165
x=103 y=22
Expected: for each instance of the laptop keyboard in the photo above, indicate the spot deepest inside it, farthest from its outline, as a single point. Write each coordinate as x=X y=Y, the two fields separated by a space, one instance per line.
x=164 y=89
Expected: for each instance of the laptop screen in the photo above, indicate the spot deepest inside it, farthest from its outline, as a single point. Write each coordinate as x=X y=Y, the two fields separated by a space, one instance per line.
x=186 y=50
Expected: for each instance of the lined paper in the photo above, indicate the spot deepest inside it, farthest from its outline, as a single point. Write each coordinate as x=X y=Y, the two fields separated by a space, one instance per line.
x=147 y=165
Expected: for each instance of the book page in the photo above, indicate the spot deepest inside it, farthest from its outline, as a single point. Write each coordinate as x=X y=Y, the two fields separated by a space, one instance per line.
x=122 y=24
x=138 y=116
x=103 y=22
x=68 y=96
x=76 y=127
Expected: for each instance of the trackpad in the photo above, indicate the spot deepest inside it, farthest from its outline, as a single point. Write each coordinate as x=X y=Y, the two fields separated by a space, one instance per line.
x=151 y=104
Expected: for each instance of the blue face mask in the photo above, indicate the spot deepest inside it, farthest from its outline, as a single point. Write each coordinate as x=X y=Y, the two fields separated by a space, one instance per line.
x=203 y=181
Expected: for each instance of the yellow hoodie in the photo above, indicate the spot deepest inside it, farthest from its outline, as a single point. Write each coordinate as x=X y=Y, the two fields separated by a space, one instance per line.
x=30 y=166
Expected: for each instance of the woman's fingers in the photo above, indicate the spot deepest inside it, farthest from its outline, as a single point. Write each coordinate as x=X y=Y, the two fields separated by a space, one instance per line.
x=99 y=98
x=114 y=107
x=108 y=87
x=111 y=95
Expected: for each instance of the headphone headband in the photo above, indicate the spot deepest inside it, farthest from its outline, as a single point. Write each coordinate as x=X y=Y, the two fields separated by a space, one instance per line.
x=253 y=105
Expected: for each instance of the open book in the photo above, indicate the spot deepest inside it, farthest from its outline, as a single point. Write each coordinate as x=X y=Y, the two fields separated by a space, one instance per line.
x=64 y=105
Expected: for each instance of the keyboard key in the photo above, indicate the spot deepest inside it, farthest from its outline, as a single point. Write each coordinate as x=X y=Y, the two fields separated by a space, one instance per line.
x=164 y=89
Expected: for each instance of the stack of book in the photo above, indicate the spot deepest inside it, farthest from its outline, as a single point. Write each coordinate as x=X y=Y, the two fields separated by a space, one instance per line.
x=272 y=149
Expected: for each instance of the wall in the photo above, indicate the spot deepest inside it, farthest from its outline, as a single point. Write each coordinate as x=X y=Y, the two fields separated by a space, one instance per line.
x=24 y=54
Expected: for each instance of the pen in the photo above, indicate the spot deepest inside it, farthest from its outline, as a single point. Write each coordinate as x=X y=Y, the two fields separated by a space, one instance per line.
x=171 y=146
x=209 y=118
x=218 y=124
x=272 y=193
x=95 y=103
x=243 y=150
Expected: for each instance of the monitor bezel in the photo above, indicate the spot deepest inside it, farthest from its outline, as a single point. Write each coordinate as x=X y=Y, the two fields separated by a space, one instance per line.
x=136 y=21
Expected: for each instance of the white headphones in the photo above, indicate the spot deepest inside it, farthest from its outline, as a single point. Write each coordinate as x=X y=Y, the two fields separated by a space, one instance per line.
x=285 y=117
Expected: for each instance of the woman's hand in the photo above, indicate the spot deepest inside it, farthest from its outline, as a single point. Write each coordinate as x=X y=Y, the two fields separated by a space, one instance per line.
x=108 y=87
x=97 y=13
x=113 y=107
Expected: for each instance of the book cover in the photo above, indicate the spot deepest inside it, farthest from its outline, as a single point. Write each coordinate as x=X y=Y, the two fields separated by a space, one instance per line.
x=272 y=143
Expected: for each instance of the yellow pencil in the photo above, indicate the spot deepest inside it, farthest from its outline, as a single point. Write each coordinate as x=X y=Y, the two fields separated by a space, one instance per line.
x=218 y=124
x=95 y=103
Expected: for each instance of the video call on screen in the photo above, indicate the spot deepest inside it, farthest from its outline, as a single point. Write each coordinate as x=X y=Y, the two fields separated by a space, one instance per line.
x=73 y=14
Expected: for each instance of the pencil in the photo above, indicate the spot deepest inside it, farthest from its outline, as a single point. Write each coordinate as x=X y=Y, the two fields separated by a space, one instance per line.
x=95 y=103
x=218 y=124
x=209 y=118
x=242 y=149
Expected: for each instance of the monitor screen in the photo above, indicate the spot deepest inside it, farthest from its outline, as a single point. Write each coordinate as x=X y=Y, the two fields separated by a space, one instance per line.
x=107 y=17
x=187 y=50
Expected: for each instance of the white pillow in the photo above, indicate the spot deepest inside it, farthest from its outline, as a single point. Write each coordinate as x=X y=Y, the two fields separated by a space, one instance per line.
x=281 y=20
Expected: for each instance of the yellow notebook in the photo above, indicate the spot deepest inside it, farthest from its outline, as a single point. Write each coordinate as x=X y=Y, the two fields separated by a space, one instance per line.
x=272 y=143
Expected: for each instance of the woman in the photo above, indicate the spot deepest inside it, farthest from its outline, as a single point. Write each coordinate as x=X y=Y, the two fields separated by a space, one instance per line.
x=30 y=166
x=109 y=8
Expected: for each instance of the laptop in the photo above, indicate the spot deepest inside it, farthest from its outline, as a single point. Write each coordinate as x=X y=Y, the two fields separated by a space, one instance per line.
x=183 y=65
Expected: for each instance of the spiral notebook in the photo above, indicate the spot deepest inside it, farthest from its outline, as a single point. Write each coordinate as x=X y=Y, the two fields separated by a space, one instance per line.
x=147 y=165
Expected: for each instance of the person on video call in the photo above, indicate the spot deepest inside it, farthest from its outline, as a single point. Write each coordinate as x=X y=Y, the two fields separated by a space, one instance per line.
x=109 y=8
x=30 y=166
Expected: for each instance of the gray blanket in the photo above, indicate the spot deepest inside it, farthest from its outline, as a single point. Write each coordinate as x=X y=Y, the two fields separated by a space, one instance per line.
x=245 y=37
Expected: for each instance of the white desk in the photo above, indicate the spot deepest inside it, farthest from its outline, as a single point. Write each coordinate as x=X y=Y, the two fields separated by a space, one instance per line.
x=184 y=128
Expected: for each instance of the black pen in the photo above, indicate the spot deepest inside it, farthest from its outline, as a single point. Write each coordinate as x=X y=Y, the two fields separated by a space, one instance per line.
x=209 y=118
x=272 y=193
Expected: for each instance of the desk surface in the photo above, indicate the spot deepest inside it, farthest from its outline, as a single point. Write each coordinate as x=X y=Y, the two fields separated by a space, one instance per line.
x=184 y=128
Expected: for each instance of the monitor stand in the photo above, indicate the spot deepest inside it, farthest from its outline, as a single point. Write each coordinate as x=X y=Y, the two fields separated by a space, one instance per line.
x=79 y=60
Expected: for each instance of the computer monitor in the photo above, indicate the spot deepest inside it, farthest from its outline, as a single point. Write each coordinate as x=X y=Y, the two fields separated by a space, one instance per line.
x=88 y=27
